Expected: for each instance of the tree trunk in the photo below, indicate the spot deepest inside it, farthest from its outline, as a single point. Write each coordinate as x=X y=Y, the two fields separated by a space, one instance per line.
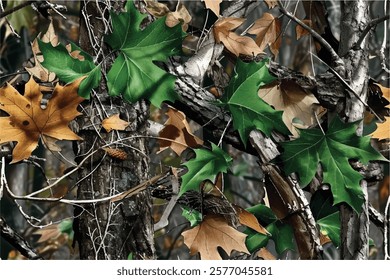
x=354 y=226
x=111 y=230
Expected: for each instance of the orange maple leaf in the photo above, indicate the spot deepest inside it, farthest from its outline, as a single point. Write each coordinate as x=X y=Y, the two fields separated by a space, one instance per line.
x=28 y=121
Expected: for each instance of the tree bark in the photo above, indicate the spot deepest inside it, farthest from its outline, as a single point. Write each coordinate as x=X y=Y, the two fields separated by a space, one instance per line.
x=355 y=226
x=111 y=230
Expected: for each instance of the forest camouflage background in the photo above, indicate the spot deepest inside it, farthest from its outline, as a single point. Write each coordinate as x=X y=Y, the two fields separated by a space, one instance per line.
x=199 y=129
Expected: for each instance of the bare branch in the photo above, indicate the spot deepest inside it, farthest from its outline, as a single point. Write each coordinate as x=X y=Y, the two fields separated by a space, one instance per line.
x=17 y=241
x=370 y=25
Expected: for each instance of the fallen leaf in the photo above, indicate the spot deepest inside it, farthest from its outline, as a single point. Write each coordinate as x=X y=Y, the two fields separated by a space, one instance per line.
x=211 y=233
x=213 y=5
x=38 y=70
x=265 y=254
x=234 y=43
x=383 y=130
x=294 y=101
x=271 y=3
x=114 y=123
x=27 y=121
x=177 y=129
x=248 y=219
x=268 y=32
x=180 y=15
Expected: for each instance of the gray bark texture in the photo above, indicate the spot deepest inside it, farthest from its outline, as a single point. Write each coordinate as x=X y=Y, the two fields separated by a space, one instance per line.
x=354 y=226
x=111 y=230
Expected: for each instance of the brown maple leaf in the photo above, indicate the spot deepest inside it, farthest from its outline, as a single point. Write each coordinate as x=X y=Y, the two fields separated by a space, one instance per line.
x=27 y=121
x=114 y=122
x=236 y=44
x=383 y=130
x=178 y=130
x=213 y=5
x=211 y=233
x=294 y=101
x=268 y=32
x=248 y=219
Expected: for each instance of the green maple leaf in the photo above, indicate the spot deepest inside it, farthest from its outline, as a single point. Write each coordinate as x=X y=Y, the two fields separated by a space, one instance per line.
x=68 y=69
x=206 y=165
x=333 y=150
x=248 y=110
x=133 y=73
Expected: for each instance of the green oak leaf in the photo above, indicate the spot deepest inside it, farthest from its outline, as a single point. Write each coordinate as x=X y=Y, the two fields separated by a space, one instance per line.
x=68 y=69
x=330 y=226
x=206 y=165
x=248 y=110
x=332 y=150
x=133 y=72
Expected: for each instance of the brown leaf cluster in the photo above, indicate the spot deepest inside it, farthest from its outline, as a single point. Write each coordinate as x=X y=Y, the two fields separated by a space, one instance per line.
x=177 y=133
x=236 y=44
x=180 y=15
x=28 y=121
x=211 y=233
x=383 y=129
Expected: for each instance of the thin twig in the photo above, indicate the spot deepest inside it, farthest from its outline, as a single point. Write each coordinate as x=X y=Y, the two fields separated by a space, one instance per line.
x=370 y=25
x=335 y=57
x=16 y=8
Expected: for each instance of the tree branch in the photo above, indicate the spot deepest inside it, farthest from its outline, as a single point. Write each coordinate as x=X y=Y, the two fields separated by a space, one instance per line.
x=17 y=241
x=370 y=25
x=16 y=8
x=338 y=62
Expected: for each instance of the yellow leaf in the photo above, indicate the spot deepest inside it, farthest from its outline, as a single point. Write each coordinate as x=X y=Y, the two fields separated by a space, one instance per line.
x=211 y=233
x=236 y=44
x=114 y=123
x=294 y=101
x=268 y=32
x=383 y=130
x=27 y=121
x=213 y=5
x=178 y=130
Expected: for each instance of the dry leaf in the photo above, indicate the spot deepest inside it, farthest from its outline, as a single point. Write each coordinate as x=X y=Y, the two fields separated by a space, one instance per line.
x=27 y=121
x=236 y=44
x=211 y=233
x=114 y=123
x=265 y=254
x=271 y=3
x=248 y=219
x=383 y=130
x=213 y=5
x=178 y=130
x=47 y=233
x=180 y=15
x=324 y=239
x=75 y=54
x=38 y=70
x=50 y=143
x=300 y=31
x=294 y=101
x=268 y=32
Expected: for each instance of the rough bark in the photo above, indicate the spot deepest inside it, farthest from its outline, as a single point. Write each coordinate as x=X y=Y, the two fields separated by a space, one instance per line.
x=354 y=226
x=111 y=230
